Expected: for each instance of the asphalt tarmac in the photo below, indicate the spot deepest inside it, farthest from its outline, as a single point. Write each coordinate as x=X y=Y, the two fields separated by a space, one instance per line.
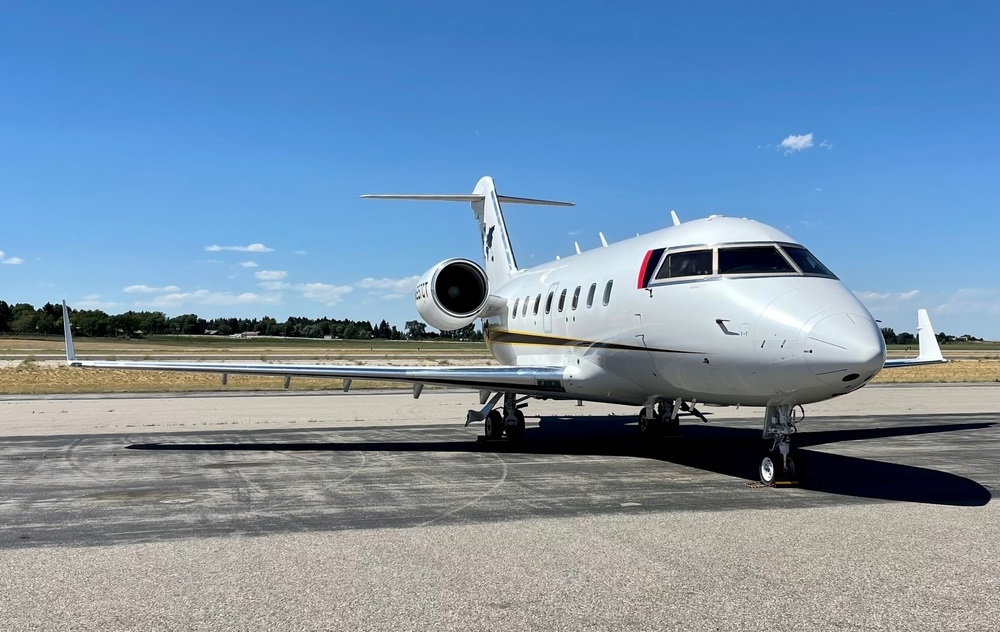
x=326 y=522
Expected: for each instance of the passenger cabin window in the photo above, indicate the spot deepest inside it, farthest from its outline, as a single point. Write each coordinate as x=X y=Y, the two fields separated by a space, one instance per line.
x=807 y=262
x=752 y=260
x=686 y=264
x=562 y=300
x=576 y=297
x=607 y=292
x=524 y=310
x=590 y=295
x=538 y=300
x=548 y=302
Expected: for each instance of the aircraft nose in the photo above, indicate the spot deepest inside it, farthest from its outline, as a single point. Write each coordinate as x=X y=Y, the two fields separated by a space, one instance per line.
x=845 y=348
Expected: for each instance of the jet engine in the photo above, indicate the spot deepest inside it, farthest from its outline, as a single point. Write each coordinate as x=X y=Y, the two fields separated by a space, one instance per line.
x=452 y=294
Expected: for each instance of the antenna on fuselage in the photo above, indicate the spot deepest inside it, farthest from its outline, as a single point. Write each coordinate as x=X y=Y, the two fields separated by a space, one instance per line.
x=673 y=216
x=576 y=245
x=604 y=242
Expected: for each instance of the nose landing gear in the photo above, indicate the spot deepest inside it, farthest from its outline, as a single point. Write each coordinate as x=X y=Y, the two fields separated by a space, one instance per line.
x=780 y=465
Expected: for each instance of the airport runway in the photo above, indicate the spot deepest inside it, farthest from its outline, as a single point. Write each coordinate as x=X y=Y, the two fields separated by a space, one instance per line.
x=148 y=516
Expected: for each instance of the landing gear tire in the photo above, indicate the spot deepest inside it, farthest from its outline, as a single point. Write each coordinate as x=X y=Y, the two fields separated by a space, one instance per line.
x=770 y=466
x=515 y=432
x=775 y=469
x=494 y=425
x=649 y=428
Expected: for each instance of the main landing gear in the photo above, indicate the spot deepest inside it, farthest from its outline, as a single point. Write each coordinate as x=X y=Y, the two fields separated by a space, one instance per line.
x=509 y=421
x=659 y=419
x=780 y=463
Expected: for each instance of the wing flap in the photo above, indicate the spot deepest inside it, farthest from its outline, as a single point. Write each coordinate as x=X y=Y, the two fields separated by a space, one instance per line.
x=523 y=379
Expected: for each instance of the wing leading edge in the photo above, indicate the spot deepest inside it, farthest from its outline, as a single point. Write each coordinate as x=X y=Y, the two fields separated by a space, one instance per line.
x=527 y=380
x=929 y=350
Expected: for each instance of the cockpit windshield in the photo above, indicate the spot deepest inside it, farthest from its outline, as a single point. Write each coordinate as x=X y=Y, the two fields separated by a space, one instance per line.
x=752 y=260
x=807 y=262
x=694 y=263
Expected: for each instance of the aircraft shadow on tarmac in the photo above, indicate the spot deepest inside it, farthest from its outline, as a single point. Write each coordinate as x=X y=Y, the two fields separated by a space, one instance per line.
x=720 y=449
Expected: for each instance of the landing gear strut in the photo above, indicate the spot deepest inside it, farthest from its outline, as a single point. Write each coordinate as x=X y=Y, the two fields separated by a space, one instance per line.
x=780 y=463
x=513 y=418
x=508 y=421
x=659 y=419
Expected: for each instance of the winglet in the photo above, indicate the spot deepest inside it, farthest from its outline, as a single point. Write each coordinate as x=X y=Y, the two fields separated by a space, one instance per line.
x=70 y=352
x=929 y=350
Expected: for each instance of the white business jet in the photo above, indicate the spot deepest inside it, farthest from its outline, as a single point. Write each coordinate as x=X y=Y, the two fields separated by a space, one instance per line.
x=718 y=311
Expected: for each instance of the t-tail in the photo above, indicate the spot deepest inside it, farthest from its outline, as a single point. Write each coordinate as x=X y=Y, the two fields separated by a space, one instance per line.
x=498 y=253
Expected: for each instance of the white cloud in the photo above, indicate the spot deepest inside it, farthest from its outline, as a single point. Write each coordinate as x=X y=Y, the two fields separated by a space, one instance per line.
x=145 y=289
x=249 y=248
x=389 y=289
x=797 y=142
x=397 y=285
x=971 y=300
x=882 y=302
x=206 y=297
x=93 y=301
x=1 y=254
x=270 y=275
x=825 y=144
x=13 y=261
x=276 y=285
x=324 y=292
x=249 y=264
x=300 y=252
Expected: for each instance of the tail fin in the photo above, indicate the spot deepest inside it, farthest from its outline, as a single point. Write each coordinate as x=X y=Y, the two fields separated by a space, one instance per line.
x=498 y=254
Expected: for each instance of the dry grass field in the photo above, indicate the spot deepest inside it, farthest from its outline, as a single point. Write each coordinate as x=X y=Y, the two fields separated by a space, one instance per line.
x=33 y=365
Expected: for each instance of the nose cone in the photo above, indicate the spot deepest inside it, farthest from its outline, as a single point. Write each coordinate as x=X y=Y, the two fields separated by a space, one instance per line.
x=845 y=349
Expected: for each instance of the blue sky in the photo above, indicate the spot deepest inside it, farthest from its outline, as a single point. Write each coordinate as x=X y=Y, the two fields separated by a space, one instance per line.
x=146 y=147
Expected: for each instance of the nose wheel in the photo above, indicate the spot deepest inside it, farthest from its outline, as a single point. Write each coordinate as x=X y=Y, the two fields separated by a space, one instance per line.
x=780 y=465
x=776 y=468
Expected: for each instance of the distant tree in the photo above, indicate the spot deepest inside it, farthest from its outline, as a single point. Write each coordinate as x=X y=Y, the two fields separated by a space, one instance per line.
x=905 y=338
x=91 y=322
x=51 y=311
x=46 y=324
x=889 y=335
x=268 y=326
x=4 y=316
x=23 y=319
x=416 y=330
x=383 y=330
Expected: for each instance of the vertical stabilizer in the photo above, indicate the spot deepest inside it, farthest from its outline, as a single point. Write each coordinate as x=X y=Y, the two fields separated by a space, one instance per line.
x=498 y=255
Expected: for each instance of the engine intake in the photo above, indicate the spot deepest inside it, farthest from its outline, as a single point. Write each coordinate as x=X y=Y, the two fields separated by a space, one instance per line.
x=451 y=295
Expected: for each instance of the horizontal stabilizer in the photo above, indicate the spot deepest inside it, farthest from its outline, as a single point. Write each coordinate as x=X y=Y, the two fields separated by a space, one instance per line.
x=442 y=197
x=463 y=197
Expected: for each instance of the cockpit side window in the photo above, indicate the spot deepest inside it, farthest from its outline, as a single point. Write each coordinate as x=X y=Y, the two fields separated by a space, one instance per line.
x=685 y=264
x=752 y=260
x=808 y=262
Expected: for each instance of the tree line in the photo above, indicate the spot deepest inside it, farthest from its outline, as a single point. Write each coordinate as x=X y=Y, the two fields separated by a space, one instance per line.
x=25 y=319
x=906 y=338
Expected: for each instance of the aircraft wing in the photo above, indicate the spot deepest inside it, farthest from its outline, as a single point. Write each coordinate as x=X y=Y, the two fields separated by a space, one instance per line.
x=541 y=380
x=929 y=350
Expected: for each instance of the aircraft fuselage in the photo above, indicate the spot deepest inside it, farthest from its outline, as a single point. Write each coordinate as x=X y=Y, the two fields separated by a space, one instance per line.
x=721 y=336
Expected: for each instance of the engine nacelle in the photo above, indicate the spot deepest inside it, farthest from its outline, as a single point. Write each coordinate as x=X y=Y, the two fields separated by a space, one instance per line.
x=452 y=294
